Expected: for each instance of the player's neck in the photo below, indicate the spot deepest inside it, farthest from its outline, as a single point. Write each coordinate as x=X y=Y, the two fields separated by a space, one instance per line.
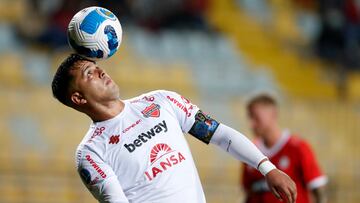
x=106 y=111
x=272 y=137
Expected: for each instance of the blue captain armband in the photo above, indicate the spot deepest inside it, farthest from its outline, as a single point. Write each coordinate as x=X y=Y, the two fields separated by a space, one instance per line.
x=204 y=127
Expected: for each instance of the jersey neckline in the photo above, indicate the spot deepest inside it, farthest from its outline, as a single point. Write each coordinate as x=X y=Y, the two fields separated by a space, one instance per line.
x=121 y=114
x=270 y=152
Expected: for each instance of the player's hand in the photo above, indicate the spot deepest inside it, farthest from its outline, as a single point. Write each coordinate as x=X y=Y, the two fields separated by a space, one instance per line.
x=281 y=185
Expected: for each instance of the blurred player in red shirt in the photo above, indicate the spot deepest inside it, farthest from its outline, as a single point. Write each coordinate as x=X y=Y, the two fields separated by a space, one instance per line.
x=287 y=151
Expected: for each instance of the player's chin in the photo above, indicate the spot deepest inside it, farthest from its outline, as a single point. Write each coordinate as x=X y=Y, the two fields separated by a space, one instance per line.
x=115 y=93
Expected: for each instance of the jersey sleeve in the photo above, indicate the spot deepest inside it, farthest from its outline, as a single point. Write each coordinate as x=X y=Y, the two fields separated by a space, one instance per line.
x=191 y=119
x=311 y=172
x=99 y=178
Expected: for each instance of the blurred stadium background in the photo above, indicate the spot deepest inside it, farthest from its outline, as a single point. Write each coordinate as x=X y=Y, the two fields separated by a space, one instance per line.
x=215 y=52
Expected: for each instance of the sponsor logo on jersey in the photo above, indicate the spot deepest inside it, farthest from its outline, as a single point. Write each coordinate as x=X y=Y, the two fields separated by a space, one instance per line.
x=284 y=163
x=145 y=136
x=131 y=126
x=114 y=139
x=182 y=106
x=151 y=111
x=95 y=166
x=150 y=98
x=162 y=158
x=98 y=132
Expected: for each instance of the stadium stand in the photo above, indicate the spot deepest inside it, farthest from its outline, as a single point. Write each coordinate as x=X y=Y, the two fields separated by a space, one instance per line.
x=263 y=46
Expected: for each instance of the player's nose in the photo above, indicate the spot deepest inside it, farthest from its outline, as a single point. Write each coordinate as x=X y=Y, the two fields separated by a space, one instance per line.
x=101 y=73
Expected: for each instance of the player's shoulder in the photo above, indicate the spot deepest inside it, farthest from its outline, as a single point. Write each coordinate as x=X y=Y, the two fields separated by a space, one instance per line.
x=91 y=143
x=93 y=134
x=80 y=152
x=158 y=93
x=86 y=152
x=295 y=140
x=152 y=96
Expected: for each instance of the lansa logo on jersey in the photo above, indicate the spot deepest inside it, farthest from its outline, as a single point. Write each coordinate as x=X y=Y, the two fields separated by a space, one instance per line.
x=162 y=158
x=144 y=137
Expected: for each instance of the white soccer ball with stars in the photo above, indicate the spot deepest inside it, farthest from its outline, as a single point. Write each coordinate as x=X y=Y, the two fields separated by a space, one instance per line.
x=95 y=33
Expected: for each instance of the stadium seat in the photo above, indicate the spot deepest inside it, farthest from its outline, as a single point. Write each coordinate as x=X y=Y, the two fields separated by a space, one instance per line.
x=263 y=46
x=11 y=71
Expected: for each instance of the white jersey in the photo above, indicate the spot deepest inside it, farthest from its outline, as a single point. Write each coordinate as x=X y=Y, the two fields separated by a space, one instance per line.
x=141 y=154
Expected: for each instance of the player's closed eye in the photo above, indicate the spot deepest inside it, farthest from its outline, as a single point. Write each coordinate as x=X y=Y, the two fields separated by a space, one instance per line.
x=89 y=72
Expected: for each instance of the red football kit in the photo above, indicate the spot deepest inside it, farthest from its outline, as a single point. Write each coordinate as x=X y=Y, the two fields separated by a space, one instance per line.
x=293 y=156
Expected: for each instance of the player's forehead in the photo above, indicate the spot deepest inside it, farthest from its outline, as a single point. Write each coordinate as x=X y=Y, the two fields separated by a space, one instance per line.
x=260 y=107
x=79 y=66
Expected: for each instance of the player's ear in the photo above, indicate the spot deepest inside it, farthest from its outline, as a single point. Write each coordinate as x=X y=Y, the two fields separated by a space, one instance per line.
x=78 y=99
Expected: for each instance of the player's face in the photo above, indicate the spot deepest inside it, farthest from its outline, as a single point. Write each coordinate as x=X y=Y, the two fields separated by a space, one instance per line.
x=91 y=84
x=262 y=118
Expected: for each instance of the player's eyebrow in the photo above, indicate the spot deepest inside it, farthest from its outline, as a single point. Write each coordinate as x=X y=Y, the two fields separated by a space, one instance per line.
x=86 y=65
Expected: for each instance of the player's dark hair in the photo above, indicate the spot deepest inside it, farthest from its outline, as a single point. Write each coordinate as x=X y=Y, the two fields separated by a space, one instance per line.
x=264 y=99
x=62 y=78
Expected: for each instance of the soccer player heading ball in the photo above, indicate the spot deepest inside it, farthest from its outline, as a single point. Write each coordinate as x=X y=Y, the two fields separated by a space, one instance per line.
x=135 y=149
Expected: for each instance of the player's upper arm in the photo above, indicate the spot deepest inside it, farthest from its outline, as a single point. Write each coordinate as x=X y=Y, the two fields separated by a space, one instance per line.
x=311 y=171
x=191 y=119
x=99 y=178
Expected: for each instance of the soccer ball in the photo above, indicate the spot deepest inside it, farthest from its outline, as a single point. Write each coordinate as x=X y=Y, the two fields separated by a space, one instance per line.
x=95 y=33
